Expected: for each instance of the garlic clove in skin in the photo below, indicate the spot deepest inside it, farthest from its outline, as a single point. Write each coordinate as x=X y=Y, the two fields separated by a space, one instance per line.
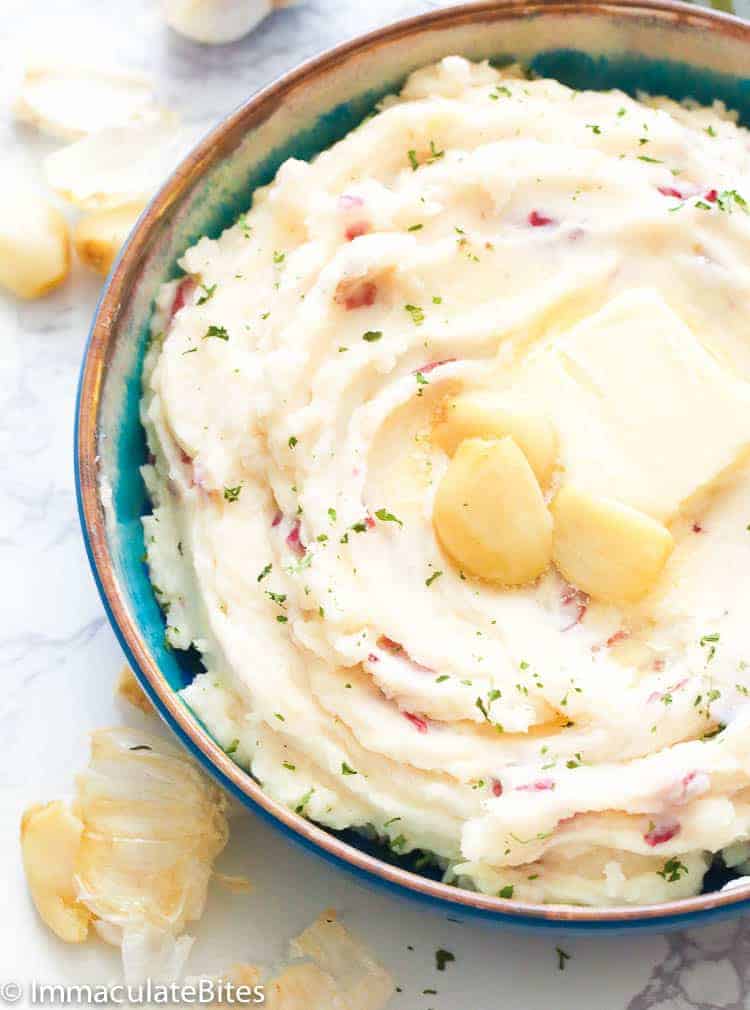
x=215 y=22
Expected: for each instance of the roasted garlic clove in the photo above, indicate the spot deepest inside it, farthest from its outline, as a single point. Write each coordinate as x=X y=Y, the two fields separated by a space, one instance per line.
x=34 y=247
x=489 y=513
x=98 y=237
x=609 y=550
x=490 y=415
x=50 y=839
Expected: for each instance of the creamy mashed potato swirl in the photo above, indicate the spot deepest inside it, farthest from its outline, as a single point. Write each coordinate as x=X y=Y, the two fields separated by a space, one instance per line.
x=482 y=232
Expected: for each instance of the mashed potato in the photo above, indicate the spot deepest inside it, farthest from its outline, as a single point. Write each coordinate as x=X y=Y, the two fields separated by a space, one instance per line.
x=449 y=437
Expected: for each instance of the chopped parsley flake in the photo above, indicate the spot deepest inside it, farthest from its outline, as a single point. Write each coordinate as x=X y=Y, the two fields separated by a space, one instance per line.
x=412 y=156
x=279 y=716
x=372 y=335
x=421 y=381
x=594 y=127
x=436 y=299
x=304 y=801
x=416 y=313
x=415 y=227
x=290 y=767
x=500 y=90
x=332 y=515
x=651 y=161
x=278 y=257
x=282 y=618
x=710 y=131
x=264 y=572
x=279 y=598
x=729 y=197
x=387 y=517
x=672 y=870
x=562 y=957
x=232 y=748
x=232 y=493
x=431 y=579
x=208 y=293
x=292 y=441
x=347 y=769
x=443 y=957
x=216 y=331
x=506 y=892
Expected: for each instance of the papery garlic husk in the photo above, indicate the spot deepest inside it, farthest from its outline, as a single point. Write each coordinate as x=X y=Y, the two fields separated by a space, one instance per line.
x=115 y=167
x=215 y=22
x=71 y=100
x=342 y=975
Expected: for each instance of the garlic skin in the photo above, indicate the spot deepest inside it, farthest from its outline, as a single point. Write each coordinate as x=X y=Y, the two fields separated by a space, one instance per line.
x=216 y=22
x=70 y=100
x=114 y=167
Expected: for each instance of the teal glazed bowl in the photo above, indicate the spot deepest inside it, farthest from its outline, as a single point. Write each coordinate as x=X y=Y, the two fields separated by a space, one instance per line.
x=655 y=45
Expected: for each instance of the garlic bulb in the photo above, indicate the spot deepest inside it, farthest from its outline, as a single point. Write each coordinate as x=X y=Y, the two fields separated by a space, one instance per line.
x=217 y=21
x=133 y=857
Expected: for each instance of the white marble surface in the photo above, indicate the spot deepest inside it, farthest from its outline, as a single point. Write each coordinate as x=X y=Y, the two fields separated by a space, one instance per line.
x=59 y=658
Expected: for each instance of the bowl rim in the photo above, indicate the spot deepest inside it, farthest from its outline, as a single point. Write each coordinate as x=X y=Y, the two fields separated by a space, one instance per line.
x=173 y=711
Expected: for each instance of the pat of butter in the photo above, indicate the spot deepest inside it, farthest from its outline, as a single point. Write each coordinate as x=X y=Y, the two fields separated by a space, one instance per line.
x=644 y=413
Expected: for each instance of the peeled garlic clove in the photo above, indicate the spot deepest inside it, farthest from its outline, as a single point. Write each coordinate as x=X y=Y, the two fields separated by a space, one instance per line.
x=34 y=246
x=50 y=840
x=489 y=415
x=70 y=100
x=216 y=21
x=119 y=166
x=489 y=513
x=609 y=550
x=98 y=237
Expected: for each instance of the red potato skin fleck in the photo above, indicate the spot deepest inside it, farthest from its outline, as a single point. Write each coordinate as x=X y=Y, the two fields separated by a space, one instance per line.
x=355 y=294
x=697 y=528
x=432 y=365
x=369 y=522
x=712 y=195
x=293 y=541
x=396 y=649
x=417 y=721
x=184 y=289
x=389 y=645
x=372 y=658
x=671 y=191
x=539 y=786
x=277 y=518
x=570 y=595
x=619 y=636
x=497 y=787
x=357 y=229
x=538 y=220
x=662 y=833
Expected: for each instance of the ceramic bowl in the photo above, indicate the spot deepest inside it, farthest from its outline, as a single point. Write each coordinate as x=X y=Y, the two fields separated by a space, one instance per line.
x=655 y=45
